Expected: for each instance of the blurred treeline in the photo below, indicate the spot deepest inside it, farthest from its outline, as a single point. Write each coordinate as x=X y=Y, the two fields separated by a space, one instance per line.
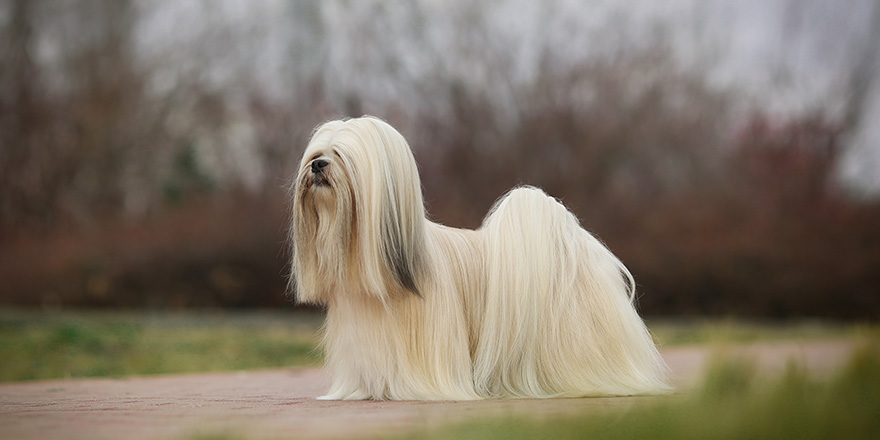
x=137 y=174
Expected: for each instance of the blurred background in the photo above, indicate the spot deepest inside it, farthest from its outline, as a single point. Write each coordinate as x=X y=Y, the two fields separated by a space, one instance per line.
x=728 y=151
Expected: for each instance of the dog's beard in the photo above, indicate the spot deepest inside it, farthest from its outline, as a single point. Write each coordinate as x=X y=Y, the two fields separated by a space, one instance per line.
x=322 y=229
x=320 y=196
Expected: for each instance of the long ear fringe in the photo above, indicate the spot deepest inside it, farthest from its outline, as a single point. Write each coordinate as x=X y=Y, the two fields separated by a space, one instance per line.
x=394 y=240
x=559 y=318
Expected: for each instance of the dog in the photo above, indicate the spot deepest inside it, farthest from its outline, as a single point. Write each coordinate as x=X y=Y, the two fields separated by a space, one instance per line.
x=530 y=305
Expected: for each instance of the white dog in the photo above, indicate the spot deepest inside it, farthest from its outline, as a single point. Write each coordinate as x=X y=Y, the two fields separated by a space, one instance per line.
x=529 y=305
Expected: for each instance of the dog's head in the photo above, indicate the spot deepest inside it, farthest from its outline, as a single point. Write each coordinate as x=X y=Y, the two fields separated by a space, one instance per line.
x=358 y=216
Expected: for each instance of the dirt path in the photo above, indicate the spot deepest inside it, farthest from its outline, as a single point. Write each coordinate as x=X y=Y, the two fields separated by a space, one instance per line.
x=281 y=403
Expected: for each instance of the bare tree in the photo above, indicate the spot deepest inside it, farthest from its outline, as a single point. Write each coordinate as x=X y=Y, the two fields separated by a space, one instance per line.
x=863 y=74
x=21 y=114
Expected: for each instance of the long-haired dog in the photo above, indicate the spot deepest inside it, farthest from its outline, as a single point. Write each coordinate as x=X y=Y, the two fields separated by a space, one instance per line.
x=528 y=305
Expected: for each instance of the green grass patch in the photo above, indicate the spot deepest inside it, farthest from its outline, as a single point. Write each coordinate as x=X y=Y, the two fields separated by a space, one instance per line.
x=669 y=333
x=60 y=345
x=733 y=403
x=46 y=345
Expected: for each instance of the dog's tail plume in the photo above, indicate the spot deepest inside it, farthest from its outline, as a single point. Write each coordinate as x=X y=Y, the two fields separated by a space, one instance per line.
x=558 y=312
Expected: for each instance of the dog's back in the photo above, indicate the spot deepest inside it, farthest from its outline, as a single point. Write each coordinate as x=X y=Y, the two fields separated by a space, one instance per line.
x=558 y=318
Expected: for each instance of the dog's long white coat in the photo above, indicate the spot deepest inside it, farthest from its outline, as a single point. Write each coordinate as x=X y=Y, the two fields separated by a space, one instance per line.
x=529 y=305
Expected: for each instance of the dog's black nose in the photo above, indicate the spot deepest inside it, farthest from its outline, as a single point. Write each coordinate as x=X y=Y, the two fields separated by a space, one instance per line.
x=318 y=165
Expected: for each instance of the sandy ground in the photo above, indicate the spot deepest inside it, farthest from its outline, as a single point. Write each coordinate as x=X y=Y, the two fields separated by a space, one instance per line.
x=281 y=403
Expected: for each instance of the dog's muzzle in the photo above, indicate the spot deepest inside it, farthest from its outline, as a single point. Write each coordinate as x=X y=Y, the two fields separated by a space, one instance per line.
x=318 y=165
x=319 y=170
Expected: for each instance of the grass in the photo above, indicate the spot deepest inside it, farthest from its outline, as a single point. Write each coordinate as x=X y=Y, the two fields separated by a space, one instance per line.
x=61 y=345
x=733 y=403
x=730 y=331
x=46 y=345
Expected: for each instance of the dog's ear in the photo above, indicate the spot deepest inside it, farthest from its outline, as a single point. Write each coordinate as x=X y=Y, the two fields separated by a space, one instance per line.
x=391 y=214
x=403 y=243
